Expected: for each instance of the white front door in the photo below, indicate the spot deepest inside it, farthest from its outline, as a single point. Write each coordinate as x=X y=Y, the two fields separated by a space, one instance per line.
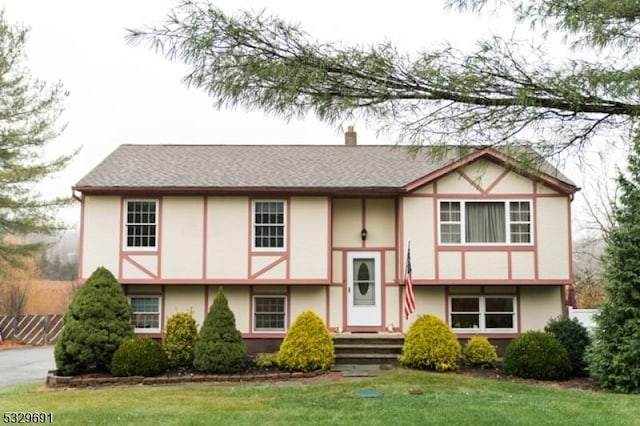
x=364 y=304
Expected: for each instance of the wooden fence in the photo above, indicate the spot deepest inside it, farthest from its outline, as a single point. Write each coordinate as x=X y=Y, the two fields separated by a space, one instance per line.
x=31 y=329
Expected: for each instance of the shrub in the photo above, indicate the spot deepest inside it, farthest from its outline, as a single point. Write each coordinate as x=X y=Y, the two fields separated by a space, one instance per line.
x=430 y=344
x=220 y=348
x=266 y=360
x=479 y=352
x=138 y=356
x=180 y=339
x=537 y=355
x=574 y=337
x=97 y=321
x=308 y=345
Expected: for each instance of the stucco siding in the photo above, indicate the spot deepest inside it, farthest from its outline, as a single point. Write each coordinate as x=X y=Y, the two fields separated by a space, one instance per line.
x=418 y=229
x=486 y=265
x=227 y=237
x=553 y=238
x=336 y=316
x=450 y=265
x=309 y=237
x=185 y=298
x=392 y=305
x=347 y=222
x=429 y=301
x=513 y=183
x=523 y=265
x=380 y=220
x=100 y=236
x=538 y=305
x=182 y=237
x=305 y=298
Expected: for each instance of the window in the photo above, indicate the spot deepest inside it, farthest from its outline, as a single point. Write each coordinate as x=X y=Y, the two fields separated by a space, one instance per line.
x=269 y=313
x=146 y=313
x=482 y=313
x=268 y=224
x=141 y=224
x=485 y=222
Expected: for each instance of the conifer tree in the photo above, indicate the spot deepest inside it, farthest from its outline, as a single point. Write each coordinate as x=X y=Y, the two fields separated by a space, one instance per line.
x=220 y=348
x=614 y=357
x=97 y=321
x=29 y=113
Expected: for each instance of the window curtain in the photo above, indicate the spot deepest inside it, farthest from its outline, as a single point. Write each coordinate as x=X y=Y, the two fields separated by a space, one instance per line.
x=485 y=222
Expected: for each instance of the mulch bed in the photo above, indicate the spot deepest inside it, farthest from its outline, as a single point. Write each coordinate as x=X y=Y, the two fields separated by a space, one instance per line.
x=497 y=373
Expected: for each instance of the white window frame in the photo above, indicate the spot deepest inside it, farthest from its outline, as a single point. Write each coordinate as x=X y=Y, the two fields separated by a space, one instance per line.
x=256 y=313
x=482 y=314
x=158 y=313
x=507 y=222
x=126 y=223
x=254 y=226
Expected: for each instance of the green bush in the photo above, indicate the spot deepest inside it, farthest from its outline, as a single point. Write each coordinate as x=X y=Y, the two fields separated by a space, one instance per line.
x=430 y=343
x=180 y=339
x=308 y=345
x=97 y=321
x=479 y=352
x=574 y=337
x=537 y=355
x=138 y=356
x=264 y=360
x=220 y=348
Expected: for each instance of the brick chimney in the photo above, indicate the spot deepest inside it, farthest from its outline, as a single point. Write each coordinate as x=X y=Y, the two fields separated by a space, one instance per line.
x=350 y=136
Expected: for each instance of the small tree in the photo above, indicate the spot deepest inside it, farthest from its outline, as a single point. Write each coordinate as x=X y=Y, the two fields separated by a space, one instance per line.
x=97 y=321
x=614 y=357
x=220 y=348
x=180 y=339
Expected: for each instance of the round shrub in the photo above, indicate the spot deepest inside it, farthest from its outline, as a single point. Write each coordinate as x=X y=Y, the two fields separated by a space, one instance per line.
x=266 y=360
x=180 y=339
x=430 y=344
x=479 y=352
x=537 y=355
x=574 y=337
x=308 y=345
x=138 y=356
x=95 y=324
x=220 y=348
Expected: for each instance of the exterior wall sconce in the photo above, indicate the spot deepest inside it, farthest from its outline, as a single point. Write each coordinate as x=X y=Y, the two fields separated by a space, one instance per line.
x=363 y=234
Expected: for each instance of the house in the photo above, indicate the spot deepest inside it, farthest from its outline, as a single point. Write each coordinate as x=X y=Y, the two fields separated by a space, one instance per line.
x=288 y=228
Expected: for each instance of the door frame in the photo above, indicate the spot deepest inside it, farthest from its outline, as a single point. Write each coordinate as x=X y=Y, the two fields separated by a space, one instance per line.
x=364 y=316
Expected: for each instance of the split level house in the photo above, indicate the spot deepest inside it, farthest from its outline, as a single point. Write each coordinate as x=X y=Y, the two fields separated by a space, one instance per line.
x=284 y=229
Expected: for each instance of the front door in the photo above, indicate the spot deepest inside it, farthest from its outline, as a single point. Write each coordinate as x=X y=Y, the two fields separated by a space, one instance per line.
x=364 y=304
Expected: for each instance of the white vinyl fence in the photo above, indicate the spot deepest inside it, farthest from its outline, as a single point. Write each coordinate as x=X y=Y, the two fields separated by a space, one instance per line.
x=585 y=316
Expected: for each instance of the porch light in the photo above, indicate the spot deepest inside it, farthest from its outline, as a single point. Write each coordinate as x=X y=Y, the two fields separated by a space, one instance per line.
x=363 y=234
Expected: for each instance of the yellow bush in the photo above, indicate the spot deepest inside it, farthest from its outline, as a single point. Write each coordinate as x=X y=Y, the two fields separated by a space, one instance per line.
x=307 y=346
x=180 y=339
x=430 y=344
x=479 y=352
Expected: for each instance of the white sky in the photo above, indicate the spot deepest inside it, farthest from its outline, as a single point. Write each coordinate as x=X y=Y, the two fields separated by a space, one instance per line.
x=128 y=94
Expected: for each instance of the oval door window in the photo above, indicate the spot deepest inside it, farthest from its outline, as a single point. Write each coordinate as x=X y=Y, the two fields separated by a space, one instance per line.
x=363 y=278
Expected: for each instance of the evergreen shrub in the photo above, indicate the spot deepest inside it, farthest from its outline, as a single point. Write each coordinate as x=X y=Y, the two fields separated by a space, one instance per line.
x=479 y=352
x=180 y=339
x=574 y=337
x=308 y=345
x=139 y=356
x=97 y=321
x=266 y=360
x=220 y=348
x=430 y=344
x=537 y=355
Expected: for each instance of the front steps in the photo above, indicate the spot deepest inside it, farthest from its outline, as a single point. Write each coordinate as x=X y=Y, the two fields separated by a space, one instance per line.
x=367 y=349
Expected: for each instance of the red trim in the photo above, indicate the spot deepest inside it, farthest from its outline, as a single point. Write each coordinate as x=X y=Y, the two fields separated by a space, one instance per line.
x=270 y=266
x=226 y=281
x=483 y=281
x=82 y=236
x=127 y=257
x=471 y=181
x=535 y=231
x=495 y=183
x=205 y=234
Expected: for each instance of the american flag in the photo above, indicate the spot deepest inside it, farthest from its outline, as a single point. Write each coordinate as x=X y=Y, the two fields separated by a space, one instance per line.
x=409 y=301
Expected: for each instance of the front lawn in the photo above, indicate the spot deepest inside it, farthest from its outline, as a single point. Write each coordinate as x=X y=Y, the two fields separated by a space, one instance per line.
x=450 y=399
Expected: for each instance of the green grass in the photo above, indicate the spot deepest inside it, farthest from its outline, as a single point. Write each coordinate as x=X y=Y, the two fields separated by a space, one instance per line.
x=446 y=399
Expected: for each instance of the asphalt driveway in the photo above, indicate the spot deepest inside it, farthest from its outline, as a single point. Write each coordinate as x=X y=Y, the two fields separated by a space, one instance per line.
x=26 y=365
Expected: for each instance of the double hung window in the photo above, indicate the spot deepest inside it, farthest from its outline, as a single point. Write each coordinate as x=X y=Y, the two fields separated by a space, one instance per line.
x=141 y=224
x=269 y=313
x=269 y=224
x=145 y=313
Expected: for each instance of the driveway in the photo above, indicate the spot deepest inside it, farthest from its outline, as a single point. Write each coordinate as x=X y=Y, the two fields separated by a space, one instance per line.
x=26 y=365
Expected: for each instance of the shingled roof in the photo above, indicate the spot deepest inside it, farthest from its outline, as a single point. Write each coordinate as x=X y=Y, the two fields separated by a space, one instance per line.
x=297 y=168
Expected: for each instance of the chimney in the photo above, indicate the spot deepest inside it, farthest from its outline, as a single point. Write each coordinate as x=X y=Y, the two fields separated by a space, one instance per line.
x=350 y=136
